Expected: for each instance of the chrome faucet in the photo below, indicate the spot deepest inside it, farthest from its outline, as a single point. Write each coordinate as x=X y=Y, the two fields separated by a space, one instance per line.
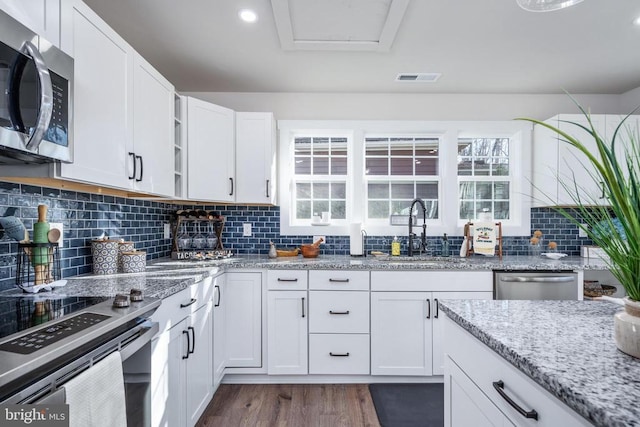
x=412 y=235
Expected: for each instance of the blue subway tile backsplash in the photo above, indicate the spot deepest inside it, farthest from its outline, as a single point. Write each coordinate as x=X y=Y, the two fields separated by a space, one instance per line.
x=88 y=216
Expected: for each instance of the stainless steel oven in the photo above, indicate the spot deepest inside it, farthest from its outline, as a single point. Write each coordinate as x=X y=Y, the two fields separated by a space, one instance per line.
x=535 y=285
x=72 y=344
x=36 y=83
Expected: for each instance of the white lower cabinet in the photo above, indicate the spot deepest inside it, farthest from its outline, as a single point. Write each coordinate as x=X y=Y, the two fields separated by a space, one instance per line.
x=483 y=389
x=243 y=319
x=339 y=354
x=406 y=332
x=287 y=331
x=182 y=362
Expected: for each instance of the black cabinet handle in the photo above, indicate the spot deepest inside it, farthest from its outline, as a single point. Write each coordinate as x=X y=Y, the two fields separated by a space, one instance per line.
x=219 y=296
x=193 y=341
x=287 y=280
x=141 y=168
x=499 y=386
x=338 y=312
x=133 y=157
x=339 y=280
x=231 y=181
x=302 y=306
x=435 y=301
x=186 y=356
x=602 y=196
x=338 y=354
x=267 y=188
x=428 y=308
x=193 y=301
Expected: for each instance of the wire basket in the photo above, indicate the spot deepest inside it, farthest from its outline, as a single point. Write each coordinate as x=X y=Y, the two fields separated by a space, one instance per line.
x=37 y=264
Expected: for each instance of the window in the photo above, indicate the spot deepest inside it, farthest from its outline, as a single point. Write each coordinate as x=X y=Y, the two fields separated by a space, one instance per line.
x=483 y=177
x=366 y=171
x=398 y=170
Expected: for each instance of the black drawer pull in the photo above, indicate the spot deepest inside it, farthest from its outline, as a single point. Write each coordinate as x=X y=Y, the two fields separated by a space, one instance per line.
x=193 y=301
x=302 y=306
x=339 y=280
x=287 y=280
x=428 y=308
x=186 y=356
x=338 y=312
x=499 y=386
x=332 y=354
x=435 y=301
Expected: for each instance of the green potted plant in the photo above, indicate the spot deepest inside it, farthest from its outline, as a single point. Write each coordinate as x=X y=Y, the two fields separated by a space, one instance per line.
x=616 y=227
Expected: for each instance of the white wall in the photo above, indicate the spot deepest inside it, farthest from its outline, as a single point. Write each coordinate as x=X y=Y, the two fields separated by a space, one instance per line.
x=385 y=106
x=630 y=100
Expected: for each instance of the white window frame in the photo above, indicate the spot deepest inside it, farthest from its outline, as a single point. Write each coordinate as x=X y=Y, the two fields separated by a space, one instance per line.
x=519 y=134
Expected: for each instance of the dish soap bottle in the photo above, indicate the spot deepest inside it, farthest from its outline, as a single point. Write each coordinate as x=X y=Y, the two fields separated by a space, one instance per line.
x=272 y=251
x=445 y=246
x=395 y=246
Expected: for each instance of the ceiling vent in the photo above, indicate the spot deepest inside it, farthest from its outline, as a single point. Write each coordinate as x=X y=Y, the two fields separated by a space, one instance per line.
x=418 y=77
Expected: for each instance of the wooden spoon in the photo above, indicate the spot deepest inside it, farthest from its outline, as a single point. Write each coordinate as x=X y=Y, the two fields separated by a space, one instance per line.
x=54 y=235
x=317 y=244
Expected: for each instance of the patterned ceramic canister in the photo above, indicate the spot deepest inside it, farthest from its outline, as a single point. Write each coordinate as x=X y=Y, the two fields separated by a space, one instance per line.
x=105 y=256
x=123 y=247
x=134 y=262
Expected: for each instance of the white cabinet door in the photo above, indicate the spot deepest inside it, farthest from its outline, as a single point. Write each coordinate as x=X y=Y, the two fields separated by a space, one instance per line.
x=438 y=351
x=153 y=105
x=175 y=412
x=255 y=158
x=199 y=363
x=401 y=333
x=287 y=327
x=210 y=152
x=103 y=84
x=219 y=348
x=40 y=16
x=243 y=320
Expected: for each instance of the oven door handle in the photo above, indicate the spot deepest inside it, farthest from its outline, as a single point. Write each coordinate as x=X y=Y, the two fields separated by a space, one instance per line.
x=150 y=329
x=539 y=279
x=45 y=109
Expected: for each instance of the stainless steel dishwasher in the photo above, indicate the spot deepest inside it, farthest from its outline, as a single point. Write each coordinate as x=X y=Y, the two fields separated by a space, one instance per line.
x=535 y=285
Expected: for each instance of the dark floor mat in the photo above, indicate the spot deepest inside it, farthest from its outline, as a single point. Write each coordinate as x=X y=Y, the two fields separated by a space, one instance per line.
x=409 y=405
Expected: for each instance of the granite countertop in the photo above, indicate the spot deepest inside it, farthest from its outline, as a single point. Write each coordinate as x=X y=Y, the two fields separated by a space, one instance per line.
x=165 y=277
x=565 y=346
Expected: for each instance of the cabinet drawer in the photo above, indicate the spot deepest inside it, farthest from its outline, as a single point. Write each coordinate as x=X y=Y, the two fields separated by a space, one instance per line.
x=343 y=280
x=287 y=280
x=176 y=307
x=339 y=354
x=339 y=312
x=429 y=281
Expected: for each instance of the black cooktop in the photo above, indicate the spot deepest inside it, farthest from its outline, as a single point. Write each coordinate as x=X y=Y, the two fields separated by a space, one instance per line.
x=24 y=312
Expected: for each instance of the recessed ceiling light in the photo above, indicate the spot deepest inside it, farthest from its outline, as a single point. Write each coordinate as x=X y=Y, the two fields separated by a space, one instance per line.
x=248 y=15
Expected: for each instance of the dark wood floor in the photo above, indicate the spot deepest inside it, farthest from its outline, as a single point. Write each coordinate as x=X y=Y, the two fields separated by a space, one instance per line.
x=291 y=405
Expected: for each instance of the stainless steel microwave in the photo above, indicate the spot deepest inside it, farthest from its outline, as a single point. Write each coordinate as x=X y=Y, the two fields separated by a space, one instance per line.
x=36 y=93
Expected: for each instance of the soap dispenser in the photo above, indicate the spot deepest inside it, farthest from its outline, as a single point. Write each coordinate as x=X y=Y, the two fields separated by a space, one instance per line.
x=395 y=246
x=445 y=246
x=272 y=251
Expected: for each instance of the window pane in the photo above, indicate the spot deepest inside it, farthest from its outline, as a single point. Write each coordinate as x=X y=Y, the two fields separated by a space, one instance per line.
x=400 y=207
x=432 y=209
x=465 y=166
x=303 y=166
x=426 y=166
x=427 y=190
x=320 y=190
x=302 y=146
x=303 y=190
x=401 y=166
x=378 y=191
x=501 y=190
x=402 y=191
x=377 y=147
x=483 y=206
x=467 y=190
x=338 y=190
x=338 y=166
x=481 y=167
x=338 y=210
x=483 y=190
x=378 y=209
x=377 y=166
x=500 y=169
x=321 y=146
x=320 y=206
x=339 y=147
x=467 y=210
x=321 y=166
x=303 y=209
x=401 y=147
x=501 y=210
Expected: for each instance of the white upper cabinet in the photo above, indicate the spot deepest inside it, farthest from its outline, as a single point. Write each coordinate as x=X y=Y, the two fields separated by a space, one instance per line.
x=255 y=158
x=210 y=152
x=559 y=170
x=123 y=109
x=103 y=84
x=40 y=16
x=153 y=115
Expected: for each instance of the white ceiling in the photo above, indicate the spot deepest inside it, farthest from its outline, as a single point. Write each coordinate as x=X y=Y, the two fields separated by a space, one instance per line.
x=479 y=46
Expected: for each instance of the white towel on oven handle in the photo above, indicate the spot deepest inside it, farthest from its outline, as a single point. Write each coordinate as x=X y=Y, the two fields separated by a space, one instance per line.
x=96 y=396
